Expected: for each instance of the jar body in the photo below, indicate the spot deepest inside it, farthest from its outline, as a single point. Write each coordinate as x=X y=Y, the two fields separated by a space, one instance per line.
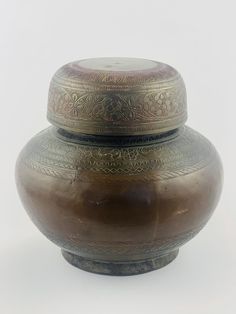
x=119 y=205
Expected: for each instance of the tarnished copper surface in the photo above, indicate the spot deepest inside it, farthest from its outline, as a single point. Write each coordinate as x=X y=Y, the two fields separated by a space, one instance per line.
x=118 y=204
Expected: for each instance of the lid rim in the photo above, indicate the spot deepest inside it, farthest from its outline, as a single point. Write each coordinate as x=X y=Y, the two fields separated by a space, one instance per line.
x=101 y=129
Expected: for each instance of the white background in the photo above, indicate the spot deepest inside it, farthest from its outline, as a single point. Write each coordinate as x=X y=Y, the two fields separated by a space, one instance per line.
x=37 y=37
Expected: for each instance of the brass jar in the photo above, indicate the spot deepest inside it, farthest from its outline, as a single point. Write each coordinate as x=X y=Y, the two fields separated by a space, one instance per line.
x=118 y=182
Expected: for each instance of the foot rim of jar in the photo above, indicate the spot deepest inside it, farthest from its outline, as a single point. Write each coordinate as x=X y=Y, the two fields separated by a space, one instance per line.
x=119 y=268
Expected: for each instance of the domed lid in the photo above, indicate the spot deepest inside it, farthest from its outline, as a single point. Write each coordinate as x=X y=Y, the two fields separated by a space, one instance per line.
x=117 y=96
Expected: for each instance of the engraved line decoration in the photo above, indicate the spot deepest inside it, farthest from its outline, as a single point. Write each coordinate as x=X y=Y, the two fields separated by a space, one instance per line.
x=142 y=106
x=155 y=248
x=48 y=154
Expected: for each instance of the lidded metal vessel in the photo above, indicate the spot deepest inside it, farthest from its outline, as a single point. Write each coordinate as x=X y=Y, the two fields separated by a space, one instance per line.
x=118 y=182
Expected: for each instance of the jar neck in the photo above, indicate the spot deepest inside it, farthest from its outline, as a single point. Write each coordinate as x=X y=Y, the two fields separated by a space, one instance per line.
x=111 y=140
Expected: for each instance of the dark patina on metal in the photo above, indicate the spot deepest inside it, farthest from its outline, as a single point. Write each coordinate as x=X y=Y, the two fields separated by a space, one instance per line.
x=120 y=268
x=118 y=182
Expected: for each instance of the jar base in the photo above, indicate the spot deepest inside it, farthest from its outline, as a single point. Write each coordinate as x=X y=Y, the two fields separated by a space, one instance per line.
x=119 y=268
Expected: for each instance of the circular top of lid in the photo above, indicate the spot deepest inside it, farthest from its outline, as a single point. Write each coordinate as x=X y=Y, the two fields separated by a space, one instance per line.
x=117 y=96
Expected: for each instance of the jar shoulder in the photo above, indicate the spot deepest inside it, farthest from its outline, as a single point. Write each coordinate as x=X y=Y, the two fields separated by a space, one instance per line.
x=50 y=153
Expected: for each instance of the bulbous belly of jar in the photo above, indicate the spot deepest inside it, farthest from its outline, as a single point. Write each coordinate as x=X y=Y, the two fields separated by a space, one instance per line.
x=118 y=203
